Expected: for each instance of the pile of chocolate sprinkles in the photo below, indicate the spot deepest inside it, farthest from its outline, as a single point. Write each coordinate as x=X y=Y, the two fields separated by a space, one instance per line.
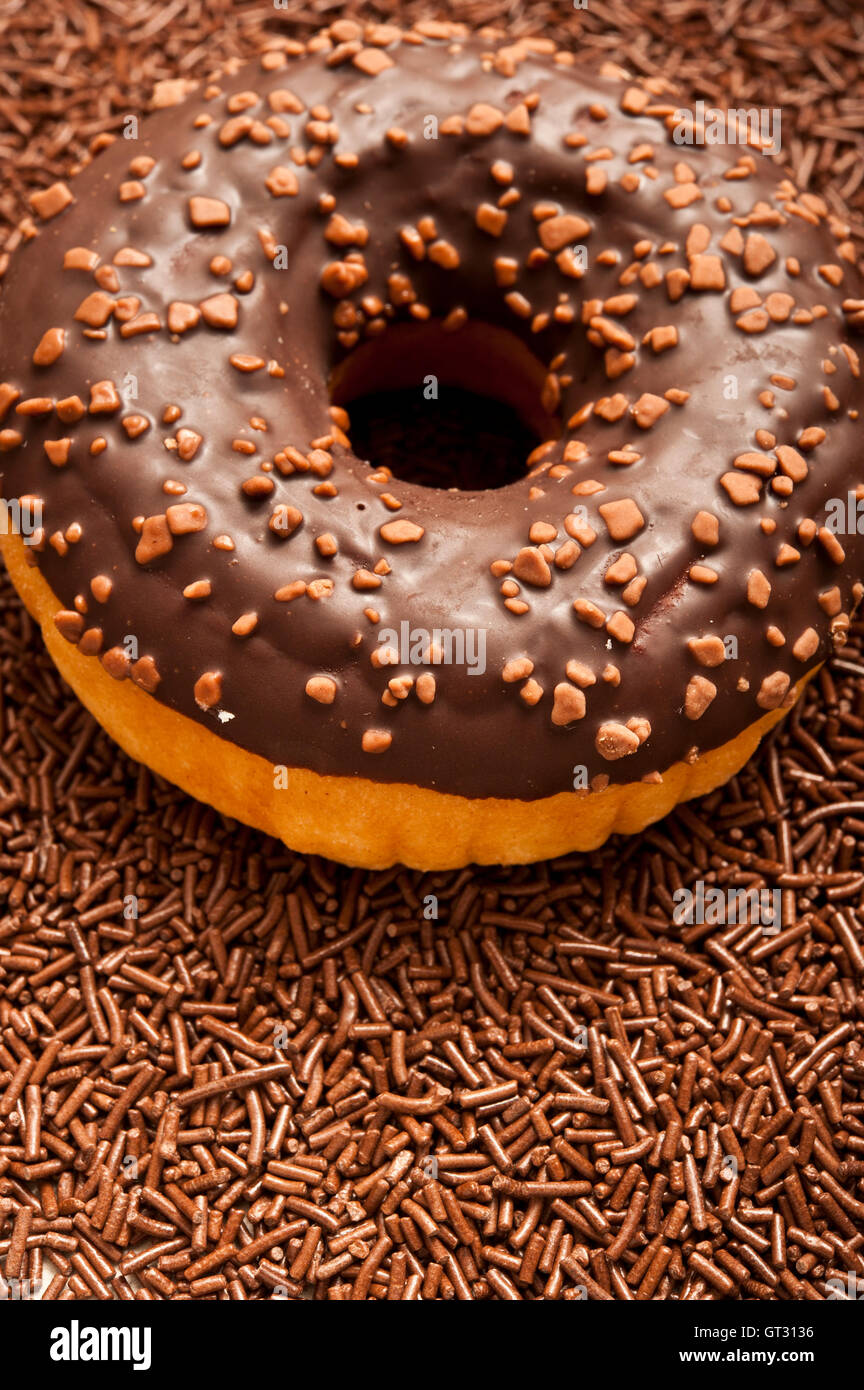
x=283 y=1076
x=232 y=1072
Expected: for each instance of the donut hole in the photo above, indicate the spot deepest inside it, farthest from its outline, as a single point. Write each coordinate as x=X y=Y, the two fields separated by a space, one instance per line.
x=459 y=440
x=462 y=411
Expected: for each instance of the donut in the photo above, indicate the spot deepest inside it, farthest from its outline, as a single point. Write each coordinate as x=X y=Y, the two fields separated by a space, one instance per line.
x=370 y=668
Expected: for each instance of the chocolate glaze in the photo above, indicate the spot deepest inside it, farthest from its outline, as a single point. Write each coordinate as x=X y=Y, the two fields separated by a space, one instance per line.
x=478 y=737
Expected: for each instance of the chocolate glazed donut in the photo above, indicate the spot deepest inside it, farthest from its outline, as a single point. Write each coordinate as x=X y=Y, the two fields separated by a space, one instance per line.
x=216 y=571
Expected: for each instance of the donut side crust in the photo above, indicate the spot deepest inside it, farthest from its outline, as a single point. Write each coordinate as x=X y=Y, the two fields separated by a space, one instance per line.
x=362 y=823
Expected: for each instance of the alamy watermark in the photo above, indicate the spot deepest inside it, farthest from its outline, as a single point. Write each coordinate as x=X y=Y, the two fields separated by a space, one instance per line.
x=844 y=516
x=849 y=1290
x=706 y=905
x=757 y=126
x=77 y=1343
x=440 y=646
x=22 y=517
